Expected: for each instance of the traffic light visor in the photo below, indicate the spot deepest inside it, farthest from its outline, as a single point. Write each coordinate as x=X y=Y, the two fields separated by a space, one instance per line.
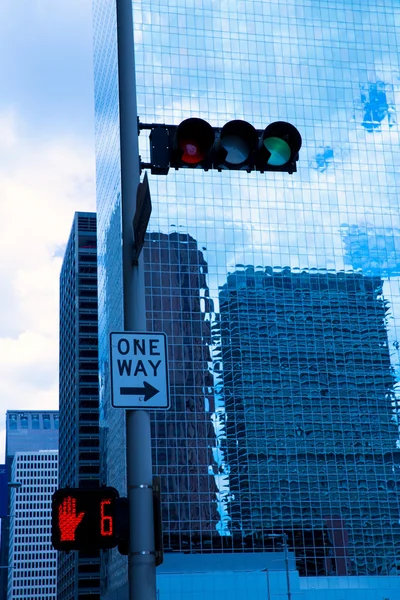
x=283 y=141
x=194 y=138
x=238 y=139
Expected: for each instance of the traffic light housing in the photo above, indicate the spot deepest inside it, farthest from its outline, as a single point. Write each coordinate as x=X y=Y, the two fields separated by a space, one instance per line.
x=93 y=519
x=237 y=145
x=122 y=523
x=84 y=519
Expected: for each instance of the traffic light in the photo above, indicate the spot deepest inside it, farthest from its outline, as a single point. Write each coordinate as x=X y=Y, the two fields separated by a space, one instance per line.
x=84 y=519
x=237 y=145
x=93 y=519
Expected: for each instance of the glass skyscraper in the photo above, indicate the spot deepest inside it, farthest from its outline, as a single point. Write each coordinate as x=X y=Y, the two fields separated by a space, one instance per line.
x=79 y=459
x=284 y=413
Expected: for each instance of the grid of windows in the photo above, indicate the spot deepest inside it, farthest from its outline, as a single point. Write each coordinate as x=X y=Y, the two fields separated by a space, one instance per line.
x=79 y=392
x=37 y=421
x=310 y=440
x=285 y=404
x=32 y=566
x=183 y=437
x=21 y=438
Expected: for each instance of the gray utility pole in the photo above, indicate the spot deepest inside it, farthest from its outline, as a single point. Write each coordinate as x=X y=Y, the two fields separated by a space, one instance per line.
x=284 y=536
x=141 y=567
x=285 y=539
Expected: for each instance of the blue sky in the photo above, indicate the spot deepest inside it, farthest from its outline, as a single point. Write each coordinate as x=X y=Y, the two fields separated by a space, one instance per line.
x=46 y=65
x=46 y=173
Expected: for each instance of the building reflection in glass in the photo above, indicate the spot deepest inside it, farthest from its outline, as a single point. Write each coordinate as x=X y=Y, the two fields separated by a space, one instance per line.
x=183 y=437
x=311 y=442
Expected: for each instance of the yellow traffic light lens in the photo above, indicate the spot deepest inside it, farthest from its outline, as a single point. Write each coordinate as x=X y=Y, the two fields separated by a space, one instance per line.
x=237 y=148
x=279 y=149
x=237 y=141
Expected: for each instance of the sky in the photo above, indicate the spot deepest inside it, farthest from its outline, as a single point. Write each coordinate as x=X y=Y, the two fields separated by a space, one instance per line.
x=47 y=172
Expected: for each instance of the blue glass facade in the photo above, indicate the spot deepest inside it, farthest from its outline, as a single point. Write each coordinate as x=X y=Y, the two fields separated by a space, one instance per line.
x=285 y=325
x=310 y=440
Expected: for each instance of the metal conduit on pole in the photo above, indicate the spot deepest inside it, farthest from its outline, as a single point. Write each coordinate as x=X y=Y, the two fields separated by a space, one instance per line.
x=285 y=538
x=141 y=567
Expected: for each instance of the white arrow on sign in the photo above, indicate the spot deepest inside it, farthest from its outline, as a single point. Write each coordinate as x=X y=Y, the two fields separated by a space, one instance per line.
x=139 y=370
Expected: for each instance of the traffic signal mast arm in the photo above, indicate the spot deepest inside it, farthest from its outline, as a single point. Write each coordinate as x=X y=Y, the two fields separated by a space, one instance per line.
x=237 y=146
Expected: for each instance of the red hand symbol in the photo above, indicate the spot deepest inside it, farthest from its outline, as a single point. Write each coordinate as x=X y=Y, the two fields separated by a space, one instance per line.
x=68 y=520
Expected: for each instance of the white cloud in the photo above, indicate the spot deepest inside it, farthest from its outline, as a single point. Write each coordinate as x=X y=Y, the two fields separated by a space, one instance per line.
x=42 y=184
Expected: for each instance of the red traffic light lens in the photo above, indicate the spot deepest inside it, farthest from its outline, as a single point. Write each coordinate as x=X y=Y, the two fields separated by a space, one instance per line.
x=192 y=152
x=194 y=138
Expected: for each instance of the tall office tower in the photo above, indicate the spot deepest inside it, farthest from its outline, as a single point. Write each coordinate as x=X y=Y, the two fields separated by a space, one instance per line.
x=26 y=431
x=331 y=69
x=32 y=558
x=310 y=435
x=78 y=572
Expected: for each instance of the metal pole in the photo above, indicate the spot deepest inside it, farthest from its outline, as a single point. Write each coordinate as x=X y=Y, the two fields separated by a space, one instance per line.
x=268 y=586
x=285 y=537
x=141 y=560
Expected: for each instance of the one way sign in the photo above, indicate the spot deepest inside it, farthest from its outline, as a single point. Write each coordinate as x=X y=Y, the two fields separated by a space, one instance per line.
x=139 y=370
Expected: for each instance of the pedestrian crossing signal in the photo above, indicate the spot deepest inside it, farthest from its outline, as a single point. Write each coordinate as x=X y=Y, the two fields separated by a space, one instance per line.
x=84 y=519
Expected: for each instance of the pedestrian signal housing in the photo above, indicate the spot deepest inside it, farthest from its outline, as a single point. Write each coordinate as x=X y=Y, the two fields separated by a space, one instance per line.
x=84 y=519
x=238 y=146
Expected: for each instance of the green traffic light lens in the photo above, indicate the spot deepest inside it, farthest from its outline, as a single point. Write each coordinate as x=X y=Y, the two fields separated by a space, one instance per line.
x=279 y=149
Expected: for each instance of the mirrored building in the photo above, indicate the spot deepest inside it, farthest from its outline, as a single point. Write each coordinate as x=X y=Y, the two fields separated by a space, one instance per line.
x=184 y=436
x=301 y=382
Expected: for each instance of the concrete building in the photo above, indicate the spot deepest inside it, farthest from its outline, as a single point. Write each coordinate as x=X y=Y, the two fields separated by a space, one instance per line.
x=32 y=564
x=26 y=431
